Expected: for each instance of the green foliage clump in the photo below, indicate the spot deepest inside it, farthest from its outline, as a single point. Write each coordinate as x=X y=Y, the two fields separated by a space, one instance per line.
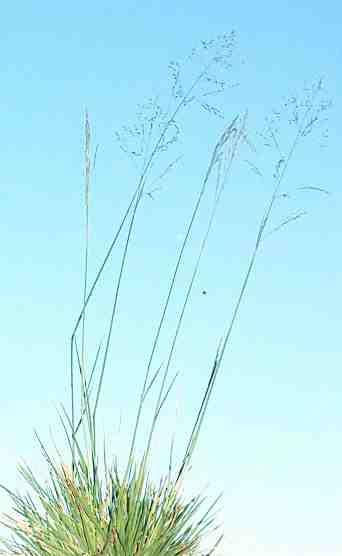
x=75 y=516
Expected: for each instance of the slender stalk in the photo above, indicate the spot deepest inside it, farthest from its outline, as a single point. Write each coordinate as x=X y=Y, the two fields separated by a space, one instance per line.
x=217 y=160
x=86 y=253
x=223 y=344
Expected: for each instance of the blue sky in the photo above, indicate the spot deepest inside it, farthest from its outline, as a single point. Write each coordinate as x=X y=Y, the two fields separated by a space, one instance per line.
x=271 y=441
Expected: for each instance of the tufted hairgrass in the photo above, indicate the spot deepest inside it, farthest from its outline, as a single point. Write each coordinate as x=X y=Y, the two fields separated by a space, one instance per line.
x=81 y=511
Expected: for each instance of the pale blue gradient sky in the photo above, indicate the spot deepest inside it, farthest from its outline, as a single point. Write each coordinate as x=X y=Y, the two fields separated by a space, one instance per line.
x=272 y=440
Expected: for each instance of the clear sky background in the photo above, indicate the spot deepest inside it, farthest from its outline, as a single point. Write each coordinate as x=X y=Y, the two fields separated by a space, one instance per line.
x=272 y=439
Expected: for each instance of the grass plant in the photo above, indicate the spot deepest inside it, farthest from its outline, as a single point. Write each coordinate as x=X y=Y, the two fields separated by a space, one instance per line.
x=81 y=511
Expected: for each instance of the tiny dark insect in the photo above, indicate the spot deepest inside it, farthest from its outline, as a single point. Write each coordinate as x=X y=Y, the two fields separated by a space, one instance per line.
x=204 y=292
